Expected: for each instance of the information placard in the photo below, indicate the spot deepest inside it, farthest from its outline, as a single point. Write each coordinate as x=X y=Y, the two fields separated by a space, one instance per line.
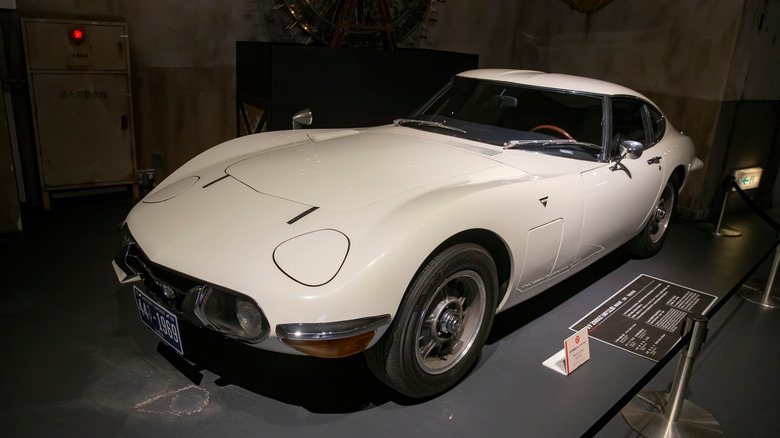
x=577 y=350
x=646 y=316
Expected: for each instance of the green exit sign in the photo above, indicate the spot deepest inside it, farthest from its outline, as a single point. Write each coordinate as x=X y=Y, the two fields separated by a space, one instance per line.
x=748 y=178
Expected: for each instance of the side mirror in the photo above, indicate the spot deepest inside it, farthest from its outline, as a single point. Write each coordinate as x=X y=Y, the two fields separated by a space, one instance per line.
x=302 y=118
x=628 y=149
x=631 y=149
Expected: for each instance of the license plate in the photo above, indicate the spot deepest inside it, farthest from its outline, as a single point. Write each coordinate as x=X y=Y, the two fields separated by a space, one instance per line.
x=159 y=319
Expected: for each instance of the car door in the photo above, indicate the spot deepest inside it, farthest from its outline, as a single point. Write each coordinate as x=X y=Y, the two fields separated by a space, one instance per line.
x=619 y=198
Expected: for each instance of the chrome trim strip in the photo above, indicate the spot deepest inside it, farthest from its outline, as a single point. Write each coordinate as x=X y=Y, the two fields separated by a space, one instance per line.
x=331 y=330
x=200 y=293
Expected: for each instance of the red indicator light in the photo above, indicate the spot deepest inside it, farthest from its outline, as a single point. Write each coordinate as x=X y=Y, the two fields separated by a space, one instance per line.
x=77 y=35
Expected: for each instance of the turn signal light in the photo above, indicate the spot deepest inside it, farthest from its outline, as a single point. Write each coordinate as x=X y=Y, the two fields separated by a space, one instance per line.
x=332 y=348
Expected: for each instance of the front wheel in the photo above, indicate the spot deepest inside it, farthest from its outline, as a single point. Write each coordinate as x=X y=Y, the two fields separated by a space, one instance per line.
x=650 y=240
x=441 y=325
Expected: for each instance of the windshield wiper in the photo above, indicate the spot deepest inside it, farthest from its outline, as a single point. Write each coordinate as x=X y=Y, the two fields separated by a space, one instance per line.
x=542 y=144
x=401 y=122
x=514 y=144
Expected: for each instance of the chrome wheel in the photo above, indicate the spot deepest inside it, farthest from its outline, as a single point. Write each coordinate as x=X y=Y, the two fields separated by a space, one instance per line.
x=650 y=240
x=442 y=322
x=661 y=216
x=450 y=322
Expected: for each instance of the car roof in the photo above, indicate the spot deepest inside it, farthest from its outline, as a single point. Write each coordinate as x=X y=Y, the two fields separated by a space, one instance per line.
x=553 y=80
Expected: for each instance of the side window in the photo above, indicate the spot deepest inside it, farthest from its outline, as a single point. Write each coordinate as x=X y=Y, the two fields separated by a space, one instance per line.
x=627 y=123
x=657 y=123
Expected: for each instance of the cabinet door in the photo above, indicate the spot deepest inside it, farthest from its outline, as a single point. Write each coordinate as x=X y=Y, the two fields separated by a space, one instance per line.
x=84 y=128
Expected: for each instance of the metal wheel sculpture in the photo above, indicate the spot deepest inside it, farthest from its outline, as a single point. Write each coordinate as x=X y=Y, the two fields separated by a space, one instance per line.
x=358 y=24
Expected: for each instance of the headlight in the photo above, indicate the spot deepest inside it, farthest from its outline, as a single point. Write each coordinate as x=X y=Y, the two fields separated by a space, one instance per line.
x=249 y=318
x=312 y=259
x=234 y=315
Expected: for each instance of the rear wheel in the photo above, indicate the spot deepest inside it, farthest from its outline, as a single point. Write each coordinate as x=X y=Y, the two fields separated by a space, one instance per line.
x=650 y=240
x=441 y=325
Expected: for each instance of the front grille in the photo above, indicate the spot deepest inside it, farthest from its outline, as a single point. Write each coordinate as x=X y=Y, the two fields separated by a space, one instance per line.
x=157 y=278
x=188 y=297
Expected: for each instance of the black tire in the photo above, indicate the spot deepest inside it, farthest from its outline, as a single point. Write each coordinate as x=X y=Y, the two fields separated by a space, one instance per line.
x=441 y=324
x=650 y=240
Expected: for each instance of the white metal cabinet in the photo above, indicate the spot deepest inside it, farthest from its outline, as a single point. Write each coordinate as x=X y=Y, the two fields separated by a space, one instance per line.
x=81 y=97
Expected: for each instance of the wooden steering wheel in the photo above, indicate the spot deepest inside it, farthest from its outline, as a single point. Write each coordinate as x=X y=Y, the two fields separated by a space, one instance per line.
x=553 y=128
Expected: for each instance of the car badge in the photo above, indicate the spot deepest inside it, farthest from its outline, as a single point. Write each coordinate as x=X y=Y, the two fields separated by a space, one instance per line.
x=544 y=201
x=167 y=290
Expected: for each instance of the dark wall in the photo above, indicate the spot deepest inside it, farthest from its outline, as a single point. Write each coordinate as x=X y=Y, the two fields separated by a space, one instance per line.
x=342 y=87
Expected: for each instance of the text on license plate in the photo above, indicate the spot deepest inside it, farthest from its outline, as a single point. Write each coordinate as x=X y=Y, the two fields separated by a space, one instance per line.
x=159 y=319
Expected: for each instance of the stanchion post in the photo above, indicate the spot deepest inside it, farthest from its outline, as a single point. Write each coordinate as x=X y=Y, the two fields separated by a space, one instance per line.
x=658 y=414
x=771 y=279
x=758 y=293
x=726 y=190
x=676 y=397
x=719 y=230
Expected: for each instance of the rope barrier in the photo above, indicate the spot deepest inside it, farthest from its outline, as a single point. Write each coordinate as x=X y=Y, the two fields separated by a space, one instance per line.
x=758 y=210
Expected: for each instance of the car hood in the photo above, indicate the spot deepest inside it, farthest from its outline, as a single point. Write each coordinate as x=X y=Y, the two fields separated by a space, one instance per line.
x=347 y=170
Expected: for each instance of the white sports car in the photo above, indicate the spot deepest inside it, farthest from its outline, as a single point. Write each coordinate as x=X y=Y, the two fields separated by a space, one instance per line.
x=405 y=240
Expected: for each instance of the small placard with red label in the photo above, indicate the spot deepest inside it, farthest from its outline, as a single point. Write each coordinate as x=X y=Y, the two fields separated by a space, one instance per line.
x=577 y=350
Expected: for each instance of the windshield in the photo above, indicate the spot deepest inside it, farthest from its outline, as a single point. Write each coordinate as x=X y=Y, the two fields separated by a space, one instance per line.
x=515 y=116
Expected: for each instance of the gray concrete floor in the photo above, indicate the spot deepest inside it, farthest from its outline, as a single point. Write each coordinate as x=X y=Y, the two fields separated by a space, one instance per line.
x=78 y=362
